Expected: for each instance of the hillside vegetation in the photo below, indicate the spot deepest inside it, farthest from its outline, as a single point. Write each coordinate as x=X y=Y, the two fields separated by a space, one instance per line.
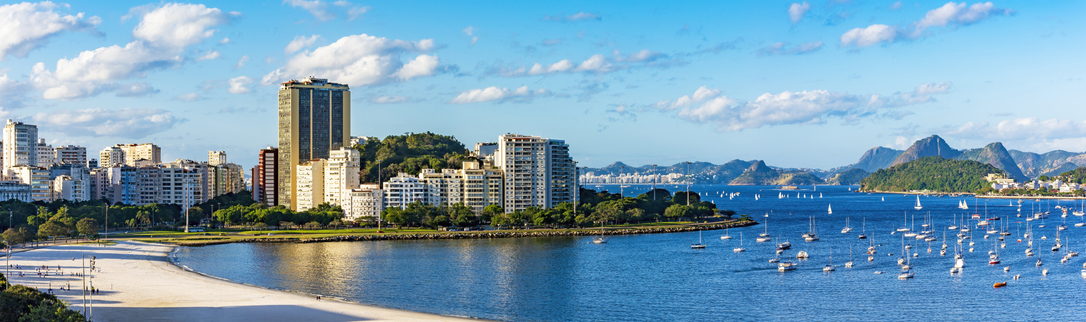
x=410 y=153
x=933 y=174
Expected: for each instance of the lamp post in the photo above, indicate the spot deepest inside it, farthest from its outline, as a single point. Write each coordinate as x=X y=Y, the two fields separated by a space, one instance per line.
x=8 y=259
x=688 y=183
x=654 y=182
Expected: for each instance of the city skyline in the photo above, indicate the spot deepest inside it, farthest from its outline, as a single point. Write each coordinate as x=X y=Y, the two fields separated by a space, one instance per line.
x=818 y=82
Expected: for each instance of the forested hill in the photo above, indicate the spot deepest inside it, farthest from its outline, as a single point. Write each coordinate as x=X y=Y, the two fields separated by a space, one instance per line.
x=933 y=174
x=410 y=153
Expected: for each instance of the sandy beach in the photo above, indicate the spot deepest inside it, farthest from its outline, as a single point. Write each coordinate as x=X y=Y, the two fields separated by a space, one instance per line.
x=137 y=283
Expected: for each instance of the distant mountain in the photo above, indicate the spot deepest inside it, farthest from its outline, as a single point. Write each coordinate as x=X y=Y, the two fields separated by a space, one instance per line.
x=877 y=158
x=931 y=146
x=1067 y=166
x=996 y=155
x=1034 y=165
x=701 y=172
x=758 y=174
x=849 y=177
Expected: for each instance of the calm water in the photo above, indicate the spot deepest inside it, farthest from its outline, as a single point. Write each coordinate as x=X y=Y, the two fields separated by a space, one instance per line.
x=658 y=277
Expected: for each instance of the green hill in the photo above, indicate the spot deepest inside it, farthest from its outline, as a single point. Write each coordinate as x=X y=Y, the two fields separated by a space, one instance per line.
x=410 y=153
x=933 y=174
x=850 y=177
x=759 y=174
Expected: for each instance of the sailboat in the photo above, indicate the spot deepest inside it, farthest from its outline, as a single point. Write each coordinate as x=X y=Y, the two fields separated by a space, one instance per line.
x=849 y=263
x=726 y=235
x=829 y=209
x=764 y=237
x=830 y=267
x=600 y=240
x=699 y=245
x=906 y=271
x=918 y=206
x=847 y=229
x=863 y=233
x=811 y=236
x=740 y=249
x=905 y=227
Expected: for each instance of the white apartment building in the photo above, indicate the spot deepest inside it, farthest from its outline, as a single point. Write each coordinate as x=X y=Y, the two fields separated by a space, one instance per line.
x=66 y=188
x=442 y=188
x=341 y=175
x=402 y=190
x=110 y=156
x=216 y=157
x=36 y=177
x=47 y=156
x=20 y=145
x=143 y=151
x=13 y=189
x=364 y=203
x=309 y=188
x=482 y=186
x=71 y=154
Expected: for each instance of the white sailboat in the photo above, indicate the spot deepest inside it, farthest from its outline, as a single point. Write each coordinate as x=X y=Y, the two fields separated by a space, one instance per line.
x=863 y=232
x=699 y=245
x=600 y=240
x=829 y=209
x=764 y=237
x=847 y=229
x=740 y=249
x=906 y=272
x=726 y=235
x=918 y=206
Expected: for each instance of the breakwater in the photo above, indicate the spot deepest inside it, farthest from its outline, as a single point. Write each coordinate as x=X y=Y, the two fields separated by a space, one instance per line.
x=477 y=234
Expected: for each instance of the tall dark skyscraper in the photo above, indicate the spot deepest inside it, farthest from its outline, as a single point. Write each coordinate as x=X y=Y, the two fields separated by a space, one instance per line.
x=314 y=118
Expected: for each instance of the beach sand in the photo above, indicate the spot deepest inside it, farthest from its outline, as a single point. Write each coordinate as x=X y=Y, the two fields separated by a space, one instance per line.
x=137 y=283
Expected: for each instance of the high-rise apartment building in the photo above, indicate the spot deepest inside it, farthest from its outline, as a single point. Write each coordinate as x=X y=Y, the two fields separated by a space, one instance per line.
x=538 y=172
x=402 y=190
x=265 y=178
x=482 y=186
x=143 y=151
x=314 y=119
x=309 y=184
x=47 y=156
x=20 y=145
x=71 y=154
x=364 y=204
x=111 y=156
x=216 y=157
x=37 y=178
x=341 y=175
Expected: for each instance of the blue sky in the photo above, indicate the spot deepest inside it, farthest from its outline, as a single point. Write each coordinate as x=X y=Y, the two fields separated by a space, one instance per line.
x=798 y=84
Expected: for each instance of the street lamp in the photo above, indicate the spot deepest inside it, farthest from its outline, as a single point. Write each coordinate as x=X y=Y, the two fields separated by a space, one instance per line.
x=654 y=182
x=8 y=260
x=688 y=183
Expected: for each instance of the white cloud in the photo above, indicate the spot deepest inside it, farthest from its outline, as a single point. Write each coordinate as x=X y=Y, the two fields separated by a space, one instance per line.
x=389 y=100
x=782 y=48
x=353 y=11
x=797 y=10
x=596 y=63
x=161 y=38
x=26 y=26
x=498 y=94
x=129 y=123
x=803 y=107
x=190 y=97
x=241 y=61
x=559 y=67
x=299 y=43
x=179 y=25
x=320 y=10
x=644 y=55
x=470 y=31
x=360 y=60
x=316 y=7
x=895 y=6
x=239 y=85
x=135 y=90
x=12 y=92
x=580 y=16
x=872 y=35
x=224 y=41
x=949 y=15
x=214 y=54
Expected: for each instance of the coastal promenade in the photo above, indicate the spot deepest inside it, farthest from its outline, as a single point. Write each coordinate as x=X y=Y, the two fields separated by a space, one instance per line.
x=137 y=283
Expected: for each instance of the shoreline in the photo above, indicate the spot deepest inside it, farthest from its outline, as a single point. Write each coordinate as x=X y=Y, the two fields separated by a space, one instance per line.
x=139 y=281
x=958 y=194
x=469 y=235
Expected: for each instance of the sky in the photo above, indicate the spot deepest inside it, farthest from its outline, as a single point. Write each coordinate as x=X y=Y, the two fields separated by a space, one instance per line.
x=809 y=84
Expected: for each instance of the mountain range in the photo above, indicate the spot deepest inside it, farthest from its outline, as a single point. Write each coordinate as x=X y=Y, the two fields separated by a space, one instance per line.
x=1022 y=166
